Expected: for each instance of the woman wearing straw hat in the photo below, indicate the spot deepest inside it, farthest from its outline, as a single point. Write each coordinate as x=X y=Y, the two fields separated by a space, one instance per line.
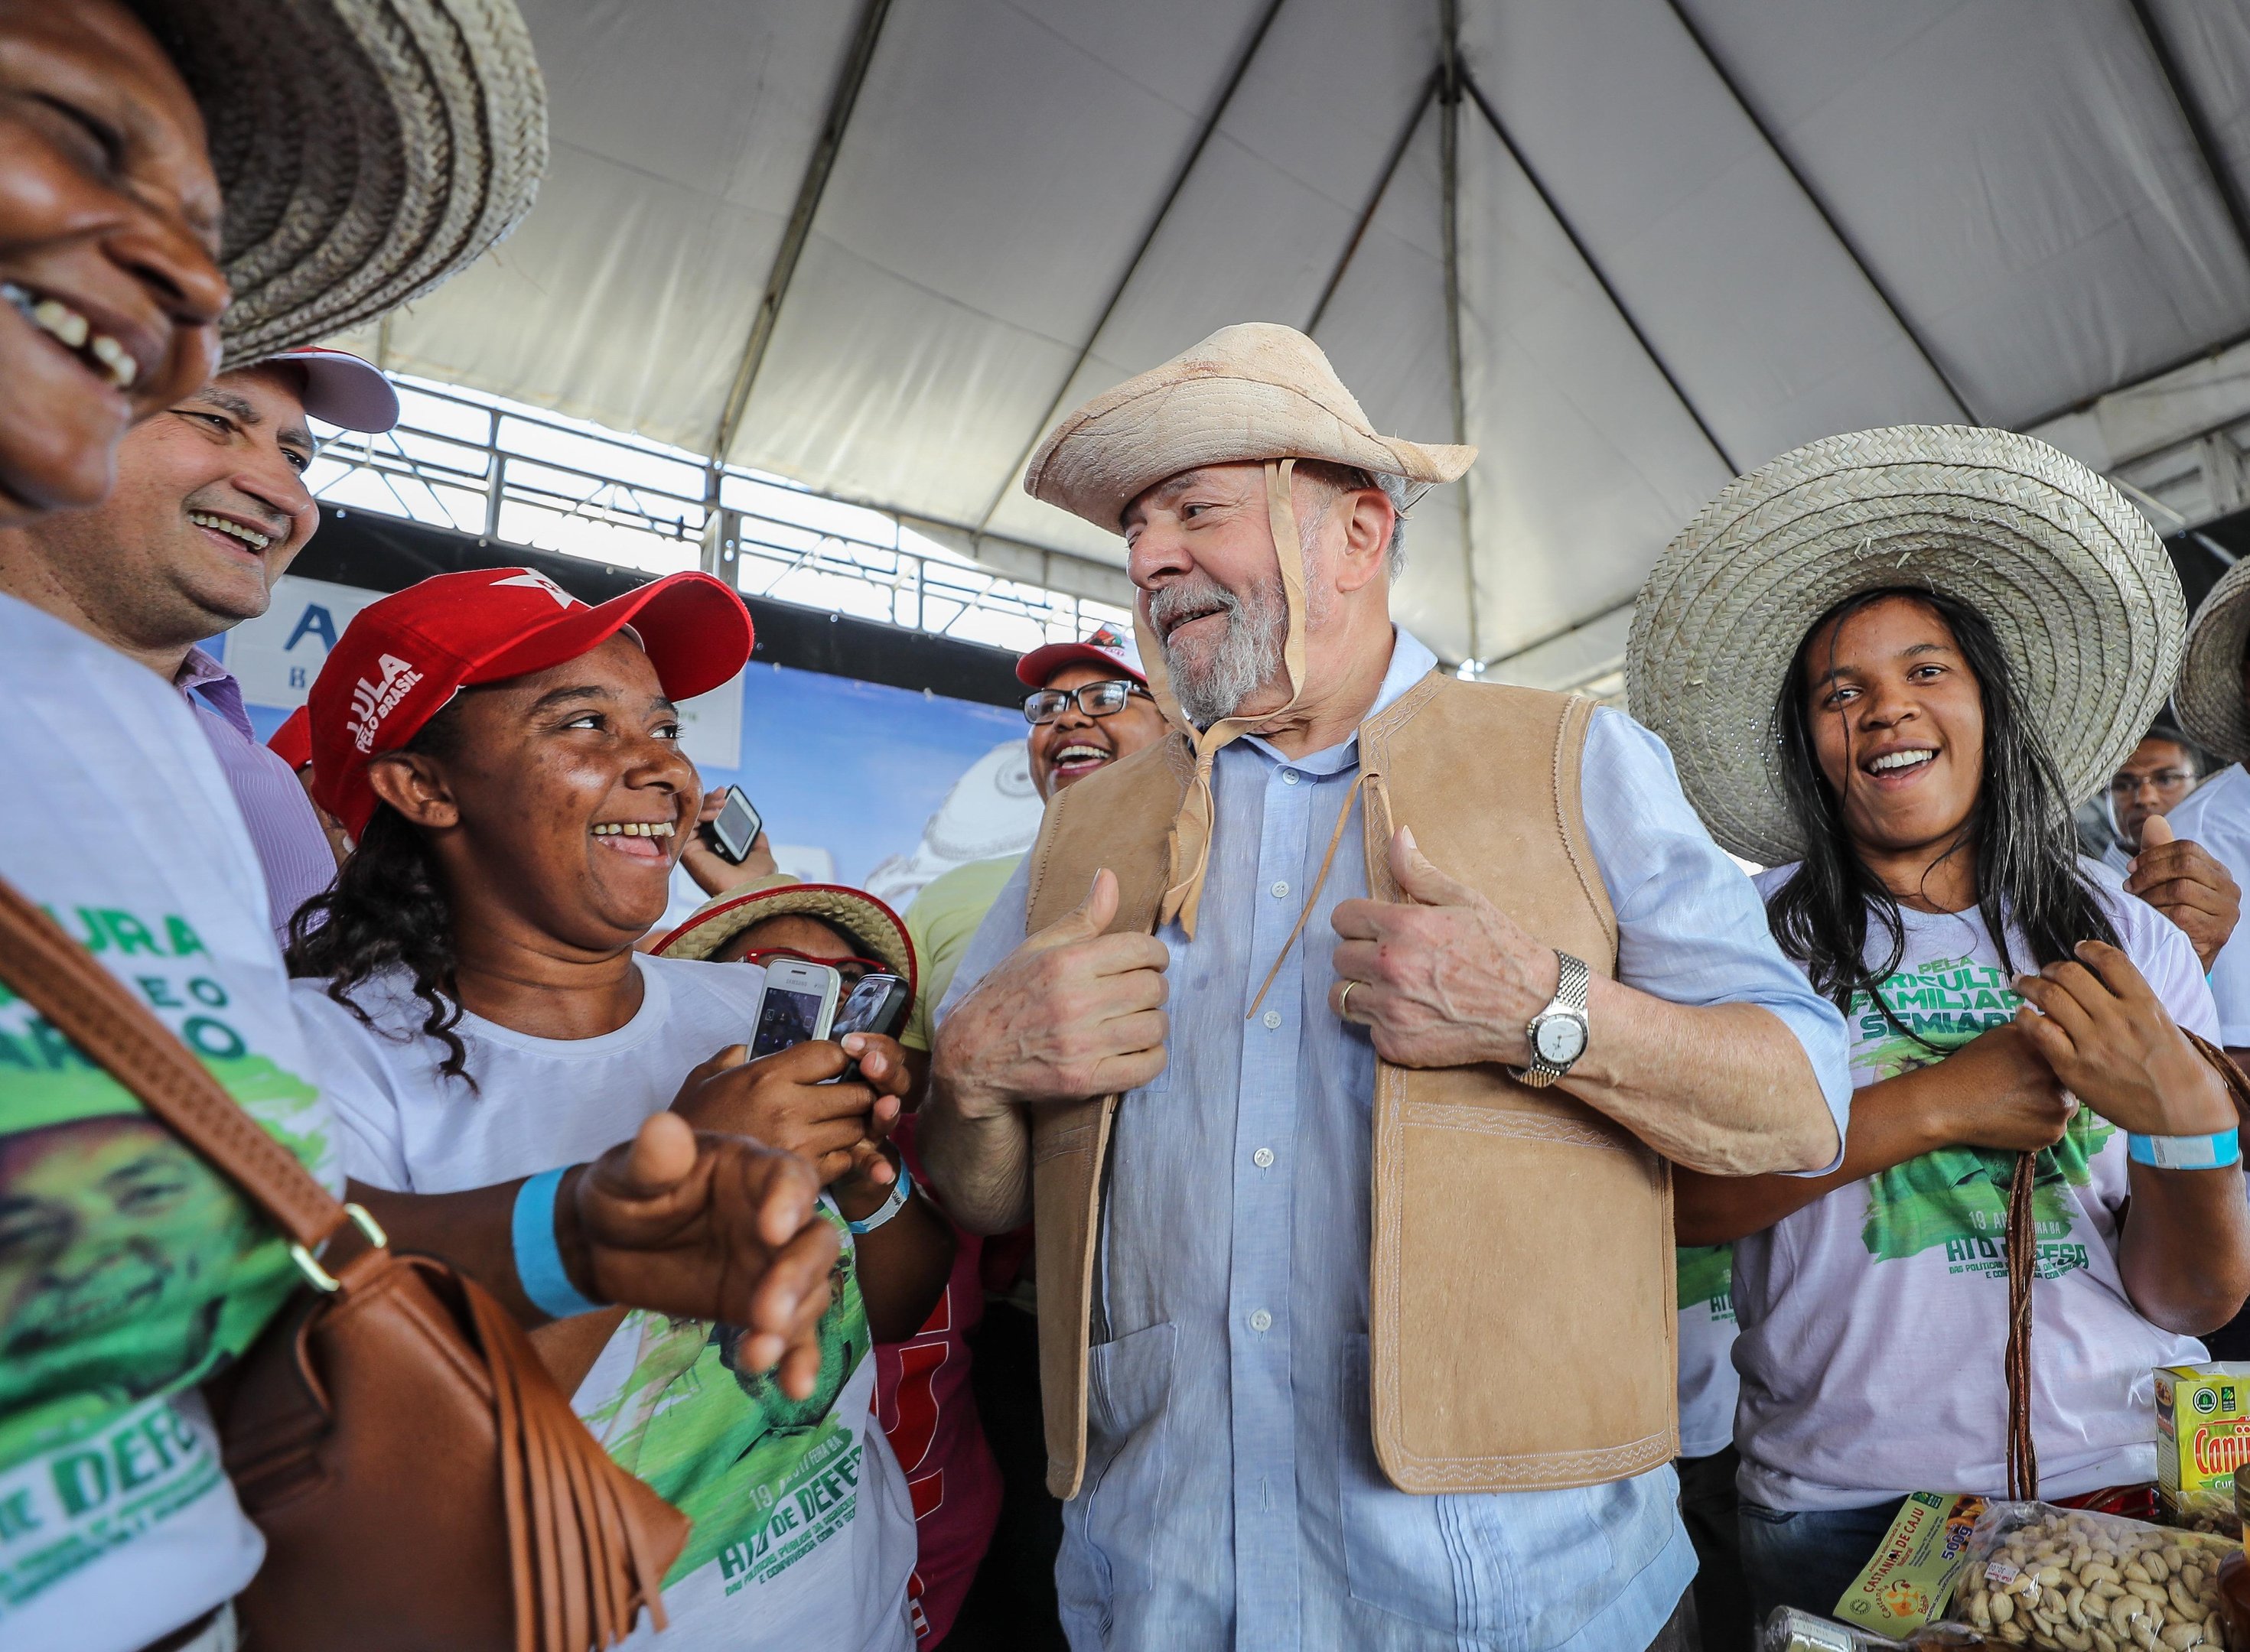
x=1888 y=665
x=2212 y=700
x=154 y=157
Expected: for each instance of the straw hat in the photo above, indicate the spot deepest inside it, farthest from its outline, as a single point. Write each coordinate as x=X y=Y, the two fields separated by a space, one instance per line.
x=1251 y=392
x=366 y=150
x=2209 y=695
x=869 y=923
x=2075 y=583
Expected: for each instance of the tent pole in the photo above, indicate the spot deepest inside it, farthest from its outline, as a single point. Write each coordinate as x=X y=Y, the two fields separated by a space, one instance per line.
x=1449 y=136
x=1601 y=277
x=1375 y=199
x=1804 y=187
x=873 y=15
x=1117 y=294
x=2198 y=127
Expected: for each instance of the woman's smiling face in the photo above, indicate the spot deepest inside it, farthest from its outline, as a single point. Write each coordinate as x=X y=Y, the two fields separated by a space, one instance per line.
x=1897 y=718
x=570 y=797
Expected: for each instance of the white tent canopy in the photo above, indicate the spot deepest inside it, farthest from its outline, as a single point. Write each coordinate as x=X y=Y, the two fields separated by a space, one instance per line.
x=1627 y=247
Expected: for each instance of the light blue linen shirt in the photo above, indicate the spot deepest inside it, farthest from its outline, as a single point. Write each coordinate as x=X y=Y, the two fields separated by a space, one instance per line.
x=1232 y=1495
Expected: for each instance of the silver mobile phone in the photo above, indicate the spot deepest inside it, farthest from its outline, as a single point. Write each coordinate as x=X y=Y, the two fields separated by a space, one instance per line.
x=798 y=1006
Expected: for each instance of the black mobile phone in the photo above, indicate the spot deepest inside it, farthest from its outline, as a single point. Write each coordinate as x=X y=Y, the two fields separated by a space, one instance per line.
x=735 y=829
x=878 y=1004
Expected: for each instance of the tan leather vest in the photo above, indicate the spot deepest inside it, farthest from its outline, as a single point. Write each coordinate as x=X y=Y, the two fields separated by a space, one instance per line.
x=1520 y=1302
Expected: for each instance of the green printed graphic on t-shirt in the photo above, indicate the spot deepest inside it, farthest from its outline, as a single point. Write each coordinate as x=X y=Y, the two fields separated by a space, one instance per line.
x=766 y=1479
x=1957 y=1197
x=129 y=1269
x=1707 y=1279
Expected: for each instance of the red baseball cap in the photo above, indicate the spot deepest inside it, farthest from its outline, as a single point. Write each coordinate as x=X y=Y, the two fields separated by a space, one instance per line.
x=402 y=660
x=292 y=741
x=1104 y=650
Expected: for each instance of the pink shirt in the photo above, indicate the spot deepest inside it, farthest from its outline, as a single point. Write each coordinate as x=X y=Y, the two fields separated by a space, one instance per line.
x=292 y=849
x=929 y=1417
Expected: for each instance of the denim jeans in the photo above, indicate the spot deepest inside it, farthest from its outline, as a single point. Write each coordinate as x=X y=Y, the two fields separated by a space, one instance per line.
x=1808 y=1558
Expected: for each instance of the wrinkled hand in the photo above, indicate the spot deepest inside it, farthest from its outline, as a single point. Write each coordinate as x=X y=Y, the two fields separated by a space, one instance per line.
x=1444 y=981
x=1073 y=1012
x=2000 y=1092
x=712 y=872
x=705 y=1227
x=2109 y=1040
x=2182 y=880
x=779 y=1099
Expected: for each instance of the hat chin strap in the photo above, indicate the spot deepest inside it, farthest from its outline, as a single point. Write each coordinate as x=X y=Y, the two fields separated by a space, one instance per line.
x=1189 y=849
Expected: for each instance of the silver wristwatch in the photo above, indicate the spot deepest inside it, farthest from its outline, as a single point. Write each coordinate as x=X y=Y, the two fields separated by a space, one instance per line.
x=1558 y=1034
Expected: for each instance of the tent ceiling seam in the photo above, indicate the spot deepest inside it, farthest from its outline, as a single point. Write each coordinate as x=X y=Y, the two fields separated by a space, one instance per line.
x=1375 y=200
x=1449 y=133
x=2199 y=131
x=1821 y=205
x=1149 y=238
x=1557 y=635
x=872 y=16
x=1601 y=278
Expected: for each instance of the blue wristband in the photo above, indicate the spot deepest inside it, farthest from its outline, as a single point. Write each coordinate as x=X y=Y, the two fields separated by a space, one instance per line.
x=901 y=1190
x=538 y=1264
x=2214 y=1151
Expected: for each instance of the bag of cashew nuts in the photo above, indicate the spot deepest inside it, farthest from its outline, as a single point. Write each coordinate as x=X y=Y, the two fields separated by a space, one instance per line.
x=2073 y=1580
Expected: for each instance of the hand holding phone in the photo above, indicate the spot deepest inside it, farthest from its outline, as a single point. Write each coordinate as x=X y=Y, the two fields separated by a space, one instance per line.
x=734 y=831
x=878 y=1004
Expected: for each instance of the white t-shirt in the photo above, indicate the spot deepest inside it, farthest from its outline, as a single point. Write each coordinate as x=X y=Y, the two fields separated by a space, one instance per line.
x=1707 y=1383
x=803 y=1530
x=1875 y=1321
x=2217 y=816
x=130 y=1269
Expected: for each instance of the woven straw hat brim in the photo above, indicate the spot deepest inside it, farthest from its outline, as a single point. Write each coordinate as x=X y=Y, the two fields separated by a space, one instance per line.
x=1248 y=393
x=2075 y=583
x=853 y=911
x=366 y=150
x=2208 y=697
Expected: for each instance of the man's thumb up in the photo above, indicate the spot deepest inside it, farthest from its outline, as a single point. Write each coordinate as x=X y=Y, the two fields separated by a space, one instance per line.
x=2156 y=830
x=1091 y=917
x=1419 y=880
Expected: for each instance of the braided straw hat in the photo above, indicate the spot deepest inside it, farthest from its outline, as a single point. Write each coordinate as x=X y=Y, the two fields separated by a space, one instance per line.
x=366 y=150
x=1248 y=393
x=2209 y=695
x=2075 y=583
x=870 y=923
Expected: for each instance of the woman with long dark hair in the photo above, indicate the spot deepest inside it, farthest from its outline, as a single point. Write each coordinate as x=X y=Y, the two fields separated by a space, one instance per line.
x=509 y=761
x=1888 y=666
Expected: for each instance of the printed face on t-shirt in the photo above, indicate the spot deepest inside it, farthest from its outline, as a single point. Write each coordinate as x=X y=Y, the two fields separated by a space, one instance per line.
x=1898 y=723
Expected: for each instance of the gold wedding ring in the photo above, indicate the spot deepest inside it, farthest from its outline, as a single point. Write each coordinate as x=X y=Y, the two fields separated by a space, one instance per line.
x=1343 y=1000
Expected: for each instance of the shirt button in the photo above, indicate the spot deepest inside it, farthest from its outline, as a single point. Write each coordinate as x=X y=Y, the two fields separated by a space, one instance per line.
x=1263 y=1158
x=1289 y=777
x=1261 y=1322
x=1271 y=1018
x=1281 y=889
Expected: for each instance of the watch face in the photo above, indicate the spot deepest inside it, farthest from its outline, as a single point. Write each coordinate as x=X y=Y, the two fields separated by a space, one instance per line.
x=1560 y=1039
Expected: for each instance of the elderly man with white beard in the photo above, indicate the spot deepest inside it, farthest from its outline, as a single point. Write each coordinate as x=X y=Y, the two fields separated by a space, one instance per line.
x=1339 y=1042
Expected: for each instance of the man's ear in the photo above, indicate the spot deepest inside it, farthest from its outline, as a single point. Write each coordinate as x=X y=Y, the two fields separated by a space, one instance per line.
x=412 y=783
x=1366 y=538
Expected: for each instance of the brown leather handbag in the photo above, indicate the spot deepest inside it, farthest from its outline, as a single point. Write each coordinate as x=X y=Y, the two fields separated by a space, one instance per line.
x=421 y=1484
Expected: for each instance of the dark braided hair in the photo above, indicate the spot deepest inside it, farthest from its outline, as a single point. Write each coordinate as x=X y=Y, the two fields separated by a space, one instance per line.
x=2019 y=833
x=388 y=910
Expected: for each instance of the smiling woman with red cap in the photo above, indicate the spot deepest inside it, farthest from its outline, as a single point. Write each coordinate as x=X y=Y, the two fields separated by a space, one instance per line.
x=507 y=759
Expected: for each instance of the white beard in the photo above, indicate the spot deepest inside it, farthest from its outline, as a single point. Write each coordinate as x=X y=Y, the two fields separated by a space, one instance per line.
x=1211 y=683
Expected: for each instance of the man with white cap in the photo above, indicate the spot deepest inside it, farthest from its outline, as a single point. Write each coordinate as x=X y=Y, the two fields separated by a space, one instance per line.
x=1356 y=1268
x=209 y=509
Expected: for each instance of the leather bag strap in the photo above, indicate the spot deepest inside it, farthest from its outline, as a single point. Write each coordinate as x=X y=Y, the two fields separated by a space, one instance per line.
x=94 y=1010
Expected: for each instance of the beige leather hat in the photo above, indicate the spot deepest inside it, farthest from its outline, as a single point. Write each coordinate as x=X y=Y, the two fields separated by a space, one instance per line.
x=366 y=150
x=2209 y=694
x=1248 y=393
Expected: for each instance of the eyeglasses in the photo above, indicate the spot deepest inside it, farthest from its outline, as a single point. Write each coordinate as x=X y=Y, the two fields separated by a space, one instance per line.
x=1095 y=699
x=2164 y=779
x=852 y=971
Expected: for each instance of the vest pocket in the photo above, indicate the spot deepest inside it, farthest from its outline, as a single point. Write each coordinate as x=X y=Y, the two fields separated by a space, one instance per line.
x=1128 y=1385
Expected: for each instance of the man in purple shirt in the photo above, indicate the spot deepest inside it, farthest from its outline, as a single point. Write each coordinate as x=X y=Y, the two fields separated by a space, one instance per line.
x=209 y=509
